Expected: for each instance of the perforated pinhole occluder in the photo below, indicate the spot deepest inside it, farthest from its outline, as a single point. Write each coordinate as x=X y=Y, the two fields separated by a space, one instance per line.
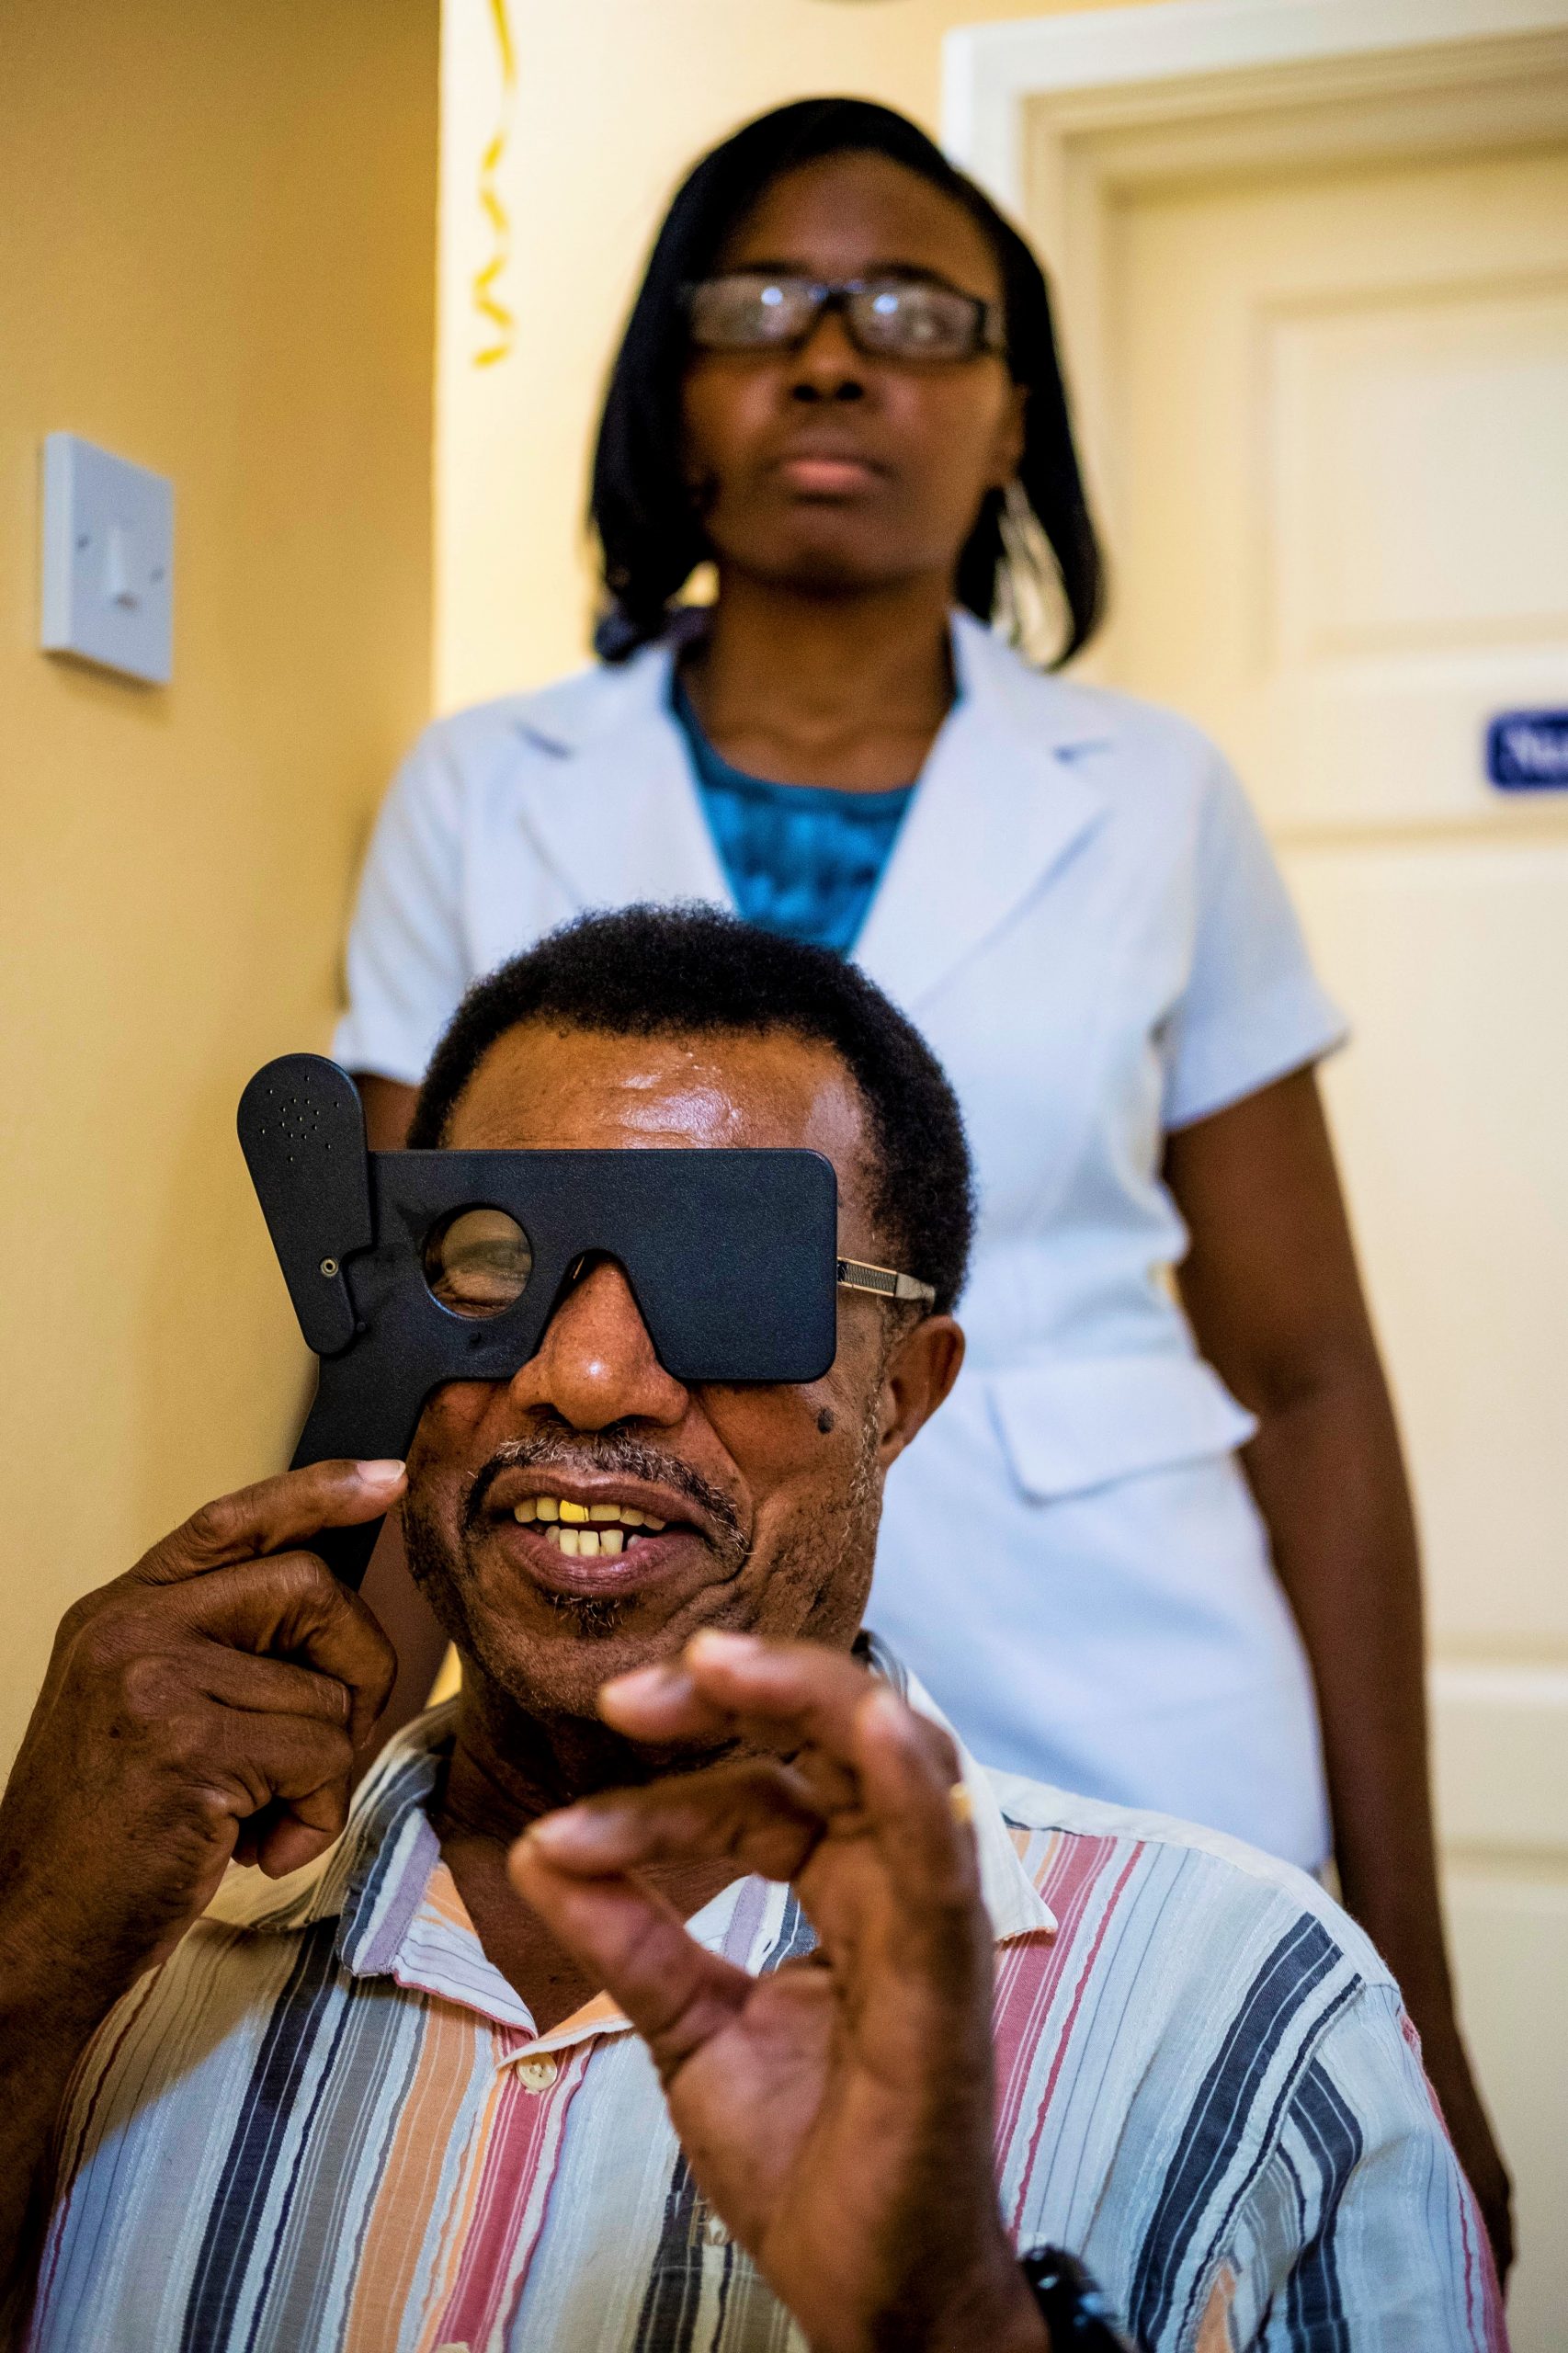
x=296 y=1119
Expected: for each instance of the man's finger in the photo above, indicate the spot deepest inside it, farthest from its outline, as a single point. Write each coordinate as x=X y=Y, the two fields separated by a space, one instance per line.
x=787 y=1695
x=271 y=1687
x=633 y=1943
x=281 y=1843
x=755 y=1814
x=907 y=1792
x=271 y=1516
x=781 y=1694
x=287 y=1779
x=659 y=1704
x=296 y=1830
x=859 y=1755
x=292 y=1608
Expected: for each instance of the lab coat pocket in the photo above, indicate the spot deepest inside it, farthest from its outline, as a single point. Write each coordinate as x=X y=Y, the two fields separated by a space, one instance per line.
x=1084 y=1421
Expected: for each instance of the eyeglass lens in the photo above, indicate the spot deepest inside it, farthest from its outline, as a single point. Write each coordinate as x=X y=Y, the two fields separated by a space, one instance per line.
x=904 y=318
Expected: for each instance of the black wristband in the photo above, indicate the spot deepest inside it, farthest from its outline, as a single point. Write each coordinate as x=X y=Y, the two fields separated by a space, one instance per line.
x=1072 y=2308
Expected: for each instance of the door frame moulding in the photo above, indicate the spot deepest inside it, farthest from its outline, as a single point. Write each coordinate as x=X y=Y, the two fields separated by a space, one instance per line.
x=1056 y=115
x=991 y=73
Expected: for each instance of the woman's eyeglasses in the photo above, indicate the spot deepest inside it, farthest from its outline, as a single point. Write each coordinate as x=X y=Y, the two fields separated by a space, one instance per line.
x=885 y=318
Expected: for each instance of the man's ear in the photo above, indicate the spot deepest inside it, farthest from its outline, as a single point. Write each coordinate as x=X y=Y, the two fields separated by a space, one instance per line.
x=921 y=1368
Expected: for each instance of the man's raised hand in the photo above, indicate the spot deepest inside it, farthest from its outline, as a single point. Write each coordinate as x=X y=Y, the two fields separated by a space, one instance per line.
x=205 y=1706
x=837 y=2112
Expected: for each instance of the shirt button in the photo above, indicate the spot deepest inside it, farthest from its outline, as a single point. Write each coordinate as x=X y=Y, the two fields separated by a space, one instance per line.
x=537 y=2075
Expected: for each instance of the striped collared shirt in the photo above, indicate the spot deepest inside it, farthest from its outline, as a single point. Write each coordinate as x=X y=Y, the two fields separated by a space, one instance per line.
x=327 y=2121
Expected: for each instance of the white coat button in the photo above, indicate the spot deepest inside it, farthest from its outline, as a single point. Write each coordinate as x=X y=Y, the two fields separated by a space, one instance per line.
x=537 y=2074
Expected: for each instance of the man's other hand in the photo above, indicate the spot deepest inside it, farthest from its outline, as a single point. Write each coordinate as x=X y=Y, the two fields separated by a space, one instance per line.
x=837 y=2112
x=202 y=1709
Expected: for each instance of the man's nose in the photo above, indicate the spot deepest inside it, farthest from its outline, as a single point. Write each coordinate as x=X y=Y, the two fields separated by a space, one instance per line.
x=596 y=1363
x=827 y=366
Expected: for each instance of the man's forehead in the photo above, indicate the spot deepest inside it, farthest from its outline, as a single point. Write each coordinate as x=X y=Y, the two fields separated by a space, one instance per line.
x=544 y=1087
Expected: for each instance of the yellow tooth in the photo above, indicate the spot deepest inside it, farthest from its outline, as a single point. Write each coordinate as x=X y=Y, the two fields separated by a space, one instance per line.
x=588 y=1542
x=528 y=1509
x=651 y=1523
x=610 y=1540
x=576 y=1513
x=629 y=1518
x=570 y=1540
x=604 y=1511
x=548 y=1507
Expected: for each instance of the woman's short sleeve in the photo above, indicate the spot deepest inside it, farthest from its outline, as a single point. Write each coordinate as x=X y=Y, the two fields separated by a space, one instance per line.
x=1253 y=1008
x=407 y=965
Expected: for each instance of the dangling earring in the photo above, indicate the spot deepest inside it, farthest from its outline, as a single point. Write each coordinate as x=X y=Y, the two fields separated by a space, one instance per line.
x=701 y=586
x=1015 y=526
x=1031 y=606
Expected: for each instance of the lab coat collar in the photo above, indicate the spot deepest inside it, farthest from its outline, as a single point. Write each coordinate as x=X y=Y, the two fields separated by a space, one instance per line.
x=613 y=808
x=615 y=813
x=1001 y=803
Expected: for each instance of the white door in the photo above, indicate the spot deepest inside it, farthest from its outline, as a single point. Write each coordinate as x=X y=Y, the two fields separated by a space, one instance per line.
x=1337 y=454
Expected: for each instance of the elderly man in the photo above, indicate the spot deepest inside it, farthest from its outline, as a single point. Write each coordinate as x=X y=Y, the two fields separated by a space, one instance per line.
x=681 y=1985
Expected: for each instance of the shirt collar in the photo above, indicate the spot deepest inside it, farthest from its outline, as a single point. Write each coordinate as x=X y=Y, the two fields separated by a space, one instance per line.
x=400 y=1915
x=1013 y=1902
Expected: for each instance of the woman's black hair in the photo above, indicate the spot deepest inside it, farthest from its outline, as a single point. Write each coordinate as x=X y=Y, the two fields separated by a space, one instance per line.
x=649 y=530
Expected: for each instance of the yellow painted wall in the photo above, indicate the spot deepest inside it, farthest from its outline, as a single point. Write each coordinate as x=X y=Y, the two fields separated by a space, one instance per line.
x=218 y=259
x=613 y=99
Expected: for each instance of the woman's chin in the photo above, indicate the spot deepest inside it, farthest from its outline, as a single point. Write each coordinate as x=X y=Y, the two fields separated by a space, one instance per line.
x=828 y=554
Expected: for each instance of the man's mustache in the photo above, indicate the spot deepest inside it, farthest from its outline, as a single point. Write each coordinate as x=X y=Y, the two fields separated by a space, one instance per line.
x=609 y=1454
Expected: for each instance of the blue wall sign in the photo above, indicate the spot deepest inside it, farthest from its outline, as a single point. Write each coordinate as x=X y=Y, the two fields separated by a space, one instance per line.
x=1526 y=751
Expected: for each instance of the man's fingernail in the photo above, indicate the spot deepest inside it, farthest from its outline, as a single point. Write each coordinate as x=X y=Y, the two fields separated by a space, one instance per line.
x=548 y=1831
x=714 y=1643
x=642 y=1678
x=886 y=1709
x=663 y=1682
x=574 y=1825
x=380 y=1474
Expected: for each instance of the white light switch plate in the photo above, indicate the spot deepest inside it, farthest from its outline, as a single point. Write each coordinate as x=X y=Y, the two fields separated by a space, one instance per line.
x=108 y=530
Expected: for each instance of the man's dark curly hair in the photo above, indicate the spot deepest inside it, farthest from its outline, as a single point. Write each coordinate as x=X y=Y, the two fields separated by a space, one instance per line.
x=673 y=972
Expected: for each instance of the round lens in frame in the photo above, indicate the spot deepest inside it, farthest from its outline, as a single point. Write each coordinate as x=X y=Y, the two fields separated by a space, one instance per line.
x=478 y=1262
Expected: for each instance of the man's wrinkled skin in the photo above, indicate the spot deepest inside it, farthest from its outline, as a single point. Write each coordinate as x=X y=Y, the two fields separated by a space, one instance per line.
x=206 y=1706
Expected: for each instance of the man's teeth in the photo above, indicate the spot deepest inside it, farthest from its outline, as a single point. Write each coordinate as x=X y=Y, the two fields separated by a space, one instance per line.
x=586 y=1531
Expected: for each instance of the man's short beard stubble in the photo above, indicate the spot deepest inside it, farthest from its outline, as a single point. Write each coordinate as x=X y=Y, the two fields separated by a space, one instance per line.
x=439 y=1569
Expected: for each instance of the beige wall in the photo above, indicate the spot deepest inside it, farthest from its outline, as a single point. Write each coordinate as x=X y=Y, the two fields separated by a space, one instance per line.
x=218 y=260
x=614 y=98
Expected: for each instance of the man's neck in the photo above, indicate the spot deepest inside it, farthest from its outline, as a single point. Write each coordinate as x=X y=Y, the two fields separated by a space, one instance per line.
x=507 y=1768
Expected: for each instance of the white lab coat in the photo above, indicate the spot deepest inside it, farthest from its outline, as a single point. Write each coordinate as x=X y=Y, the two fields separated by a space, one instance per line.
x=1082 y=916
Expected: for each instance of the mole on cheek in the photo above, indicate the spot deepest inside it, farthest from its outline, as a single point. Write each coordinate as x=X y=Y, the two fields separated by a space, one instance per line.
x=825 y=1422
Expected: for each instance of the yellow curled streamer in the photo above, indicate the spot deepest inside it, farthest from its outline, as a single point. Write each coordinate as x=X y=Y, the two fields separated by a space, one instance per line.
x=501 y=324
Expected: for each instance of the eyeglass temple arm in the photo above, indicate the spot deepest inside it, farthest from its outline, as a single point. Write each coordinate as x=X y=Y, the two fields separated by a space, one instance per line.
x=853 y=1274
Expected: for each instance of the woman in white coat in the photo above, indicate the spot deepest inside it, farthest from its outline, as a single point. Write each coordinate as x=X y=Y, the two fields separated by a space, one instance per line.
x=1168 y=1486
